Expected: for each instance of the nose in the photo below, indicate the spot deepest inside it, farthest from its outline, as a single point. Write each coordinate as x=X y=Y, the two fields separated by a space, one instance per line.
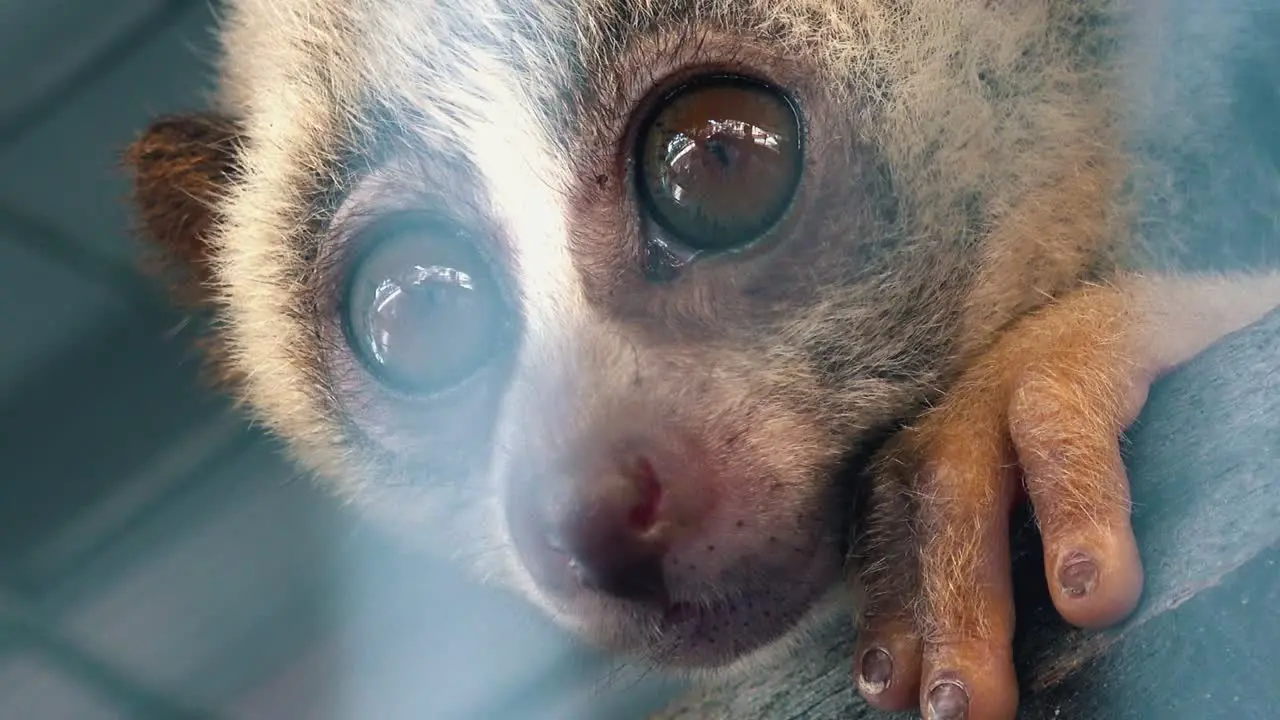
x=603 y=531
x=612 y=537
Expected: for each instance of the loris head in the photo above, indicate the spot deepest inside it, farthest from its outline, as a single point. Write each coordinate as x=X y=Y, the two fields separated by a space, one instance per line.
x=597 y=297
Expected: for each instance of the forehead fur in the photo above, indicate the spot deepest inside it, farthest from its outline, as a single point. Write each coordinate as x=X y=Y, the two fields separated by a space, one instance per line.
x=306 y=80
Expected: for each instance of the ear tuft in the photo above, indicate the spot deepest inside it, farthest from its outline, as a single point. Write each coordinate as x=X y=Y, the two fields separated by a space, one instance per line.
x=181 y=167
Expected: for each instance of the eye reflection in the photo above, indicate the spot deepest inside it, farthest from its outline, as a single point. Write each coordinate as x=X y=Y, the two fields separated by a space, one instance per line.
x=423 y=311
x=682 y=146
x=390 y=294
x=720 y=162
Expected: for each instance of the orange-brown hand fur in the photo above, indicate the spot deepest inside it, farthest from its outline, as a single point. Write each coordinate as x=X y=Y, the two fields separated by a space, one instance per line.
x=1038 y=416
x=1052 y=396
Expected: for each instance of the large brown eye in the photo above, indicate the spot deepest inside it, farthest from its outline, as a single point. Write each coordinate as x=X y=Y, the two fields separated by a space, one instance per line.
x=719 y=162
x=422 y=309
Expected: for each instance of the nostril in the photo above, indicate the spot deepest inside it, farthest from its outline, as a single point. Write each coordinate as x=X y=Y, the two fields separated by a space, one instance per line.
x=602 y=520
x=648 y=496
x=610 y=534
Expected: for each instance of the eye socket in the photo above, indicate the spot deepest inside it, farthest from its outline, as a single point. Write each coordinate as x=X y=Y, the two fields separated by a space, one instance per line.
x=719 y=162
x=422 y=310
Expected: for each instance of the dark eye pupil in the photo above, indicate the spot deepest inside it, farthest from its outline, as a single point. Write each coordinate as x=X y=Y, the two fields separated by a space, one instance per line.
x=719 y=162
x=422 y=311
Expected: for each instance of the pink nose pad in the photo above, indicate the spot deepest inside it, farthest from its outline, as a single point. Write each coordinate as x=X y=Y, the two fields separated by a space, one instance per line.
x=604 y=533
x=614 y=539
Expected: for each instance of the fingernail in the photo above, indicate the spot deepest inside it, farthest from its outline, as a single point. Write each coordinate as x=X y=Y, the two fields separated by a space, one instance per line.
x=948 y=700
x=1079 y=575
x=877 y=671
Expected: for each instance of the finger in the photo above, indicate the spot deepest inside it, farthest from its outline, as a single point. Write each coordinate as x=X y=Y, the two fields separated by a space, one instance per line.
x=887 y=663
x=968 y=595
x=1067 y=442
x=885 y=557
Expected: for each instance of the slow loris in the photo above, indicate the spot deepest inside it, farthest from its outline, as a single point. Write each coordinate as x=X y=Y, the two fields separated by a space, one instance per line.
x=672 y=316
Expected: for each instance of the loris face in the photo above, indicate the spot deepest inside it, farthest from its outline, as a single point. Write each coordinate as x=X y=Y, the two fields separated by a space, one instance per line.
x=601 y=298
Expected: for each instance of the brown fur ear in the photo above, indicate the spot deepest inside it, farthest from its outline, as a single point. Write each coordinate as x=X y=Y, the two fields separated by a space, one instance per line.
x=181 y=167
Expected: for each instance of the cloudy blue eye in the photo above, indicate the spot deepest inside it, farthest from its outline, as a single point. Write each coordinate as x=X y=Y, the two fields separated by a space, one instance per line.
x=719 y=162
x=422 y=310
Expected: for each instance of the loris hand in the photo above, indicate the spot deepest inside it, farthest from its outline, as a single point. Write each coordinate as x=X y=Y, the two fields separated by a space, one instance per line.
x=1038 y=416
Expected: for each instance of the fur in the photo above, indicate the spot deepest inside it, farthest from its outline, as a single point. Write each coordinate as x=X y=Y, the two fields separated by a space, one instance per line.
x=964 y=169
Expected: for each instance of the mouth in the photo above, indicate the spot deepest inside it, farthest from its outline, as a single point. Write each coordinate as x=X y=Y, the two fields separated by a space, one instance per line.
x=706 y=596
x=706 y=636
x=765 y=607
x=713 y=622
x=719 y=628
